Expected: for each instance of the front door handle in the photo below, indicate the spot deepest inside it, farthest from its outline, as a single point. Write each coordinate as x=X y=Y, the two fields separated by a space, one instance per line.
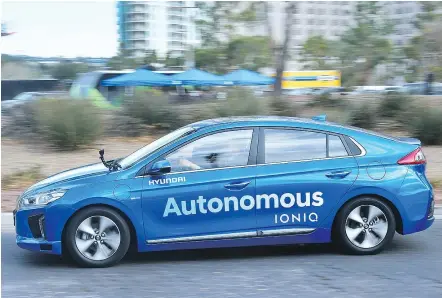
x=338 y=174
x=237 y=185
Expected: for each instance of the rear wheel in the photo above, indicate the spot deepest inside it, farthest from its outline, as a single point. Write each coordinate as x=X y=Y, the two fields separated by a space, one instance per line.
x=97 y=237
x=364 y=226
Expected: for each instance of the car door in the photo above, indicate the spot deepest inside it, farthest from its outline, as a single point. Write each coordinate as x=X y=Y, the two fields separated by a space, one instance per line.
x=203 y=195
x=301 y=175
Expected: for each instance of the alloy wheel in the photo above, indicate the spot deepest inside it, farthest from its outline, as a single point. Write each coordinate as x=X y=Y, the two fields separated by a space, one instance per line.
x=366 y=226
x=97 y=238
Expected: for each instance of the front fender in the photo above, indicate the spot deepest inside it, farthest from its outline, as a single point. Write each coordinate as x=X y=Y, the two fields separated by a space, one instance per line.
x=131 y=209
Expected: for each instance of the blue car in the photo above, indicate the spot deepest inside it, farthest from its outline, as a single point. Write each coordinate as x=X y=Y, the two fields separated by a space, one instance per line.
x=242 y=181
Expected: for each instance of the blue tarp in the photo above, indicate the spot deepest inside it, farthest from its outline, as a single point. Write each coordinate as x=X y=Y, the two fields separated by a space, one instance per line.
x=196 y=77
x=246 y=78
x=140 y=77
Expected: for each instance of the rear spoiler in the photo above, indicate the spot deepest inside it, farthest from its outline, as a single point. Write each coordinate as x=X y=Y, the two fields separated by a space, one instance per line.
x=411 y=141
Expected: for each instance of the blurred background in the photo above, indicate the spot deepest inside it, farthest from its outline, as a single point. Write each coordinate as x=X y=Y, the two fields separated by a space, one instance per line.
x=78 y=76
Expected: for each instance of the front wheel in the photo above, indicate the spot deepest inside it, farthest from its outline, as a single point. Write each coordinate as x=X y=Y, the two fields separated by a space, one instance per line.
x=97 y=237
x=364 y=226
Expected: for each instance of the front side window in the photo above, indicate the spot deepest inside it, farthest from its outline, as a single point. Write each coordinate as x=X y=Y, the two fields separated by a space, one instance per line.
x=284 y=145
x=219 y=150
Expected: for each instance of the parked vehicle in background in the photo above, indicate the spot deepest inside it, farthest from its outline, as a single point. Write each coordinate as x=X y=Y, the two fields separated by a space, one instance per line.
x=298 y=91
x=12 y=88
x=377 y=89
x=420 y=88
x=394 y=89
x=88 y=86
x=26 y=97
x=417 y=88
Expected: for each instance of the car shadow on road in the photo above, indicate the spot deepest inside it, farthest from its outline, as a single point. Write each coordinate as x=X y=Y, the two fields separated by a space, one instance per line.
x=230 y=253
x=399 y=246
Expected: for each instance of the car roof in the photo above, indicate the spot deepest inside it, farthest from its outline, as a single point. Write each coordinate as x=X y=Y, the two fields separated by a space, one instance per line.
x=260 y=120
x=287 y=121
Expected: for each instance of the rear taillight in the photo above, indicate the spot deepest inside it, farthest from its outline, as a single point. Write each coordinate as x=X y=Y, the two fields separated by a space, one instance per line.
x=416 y=157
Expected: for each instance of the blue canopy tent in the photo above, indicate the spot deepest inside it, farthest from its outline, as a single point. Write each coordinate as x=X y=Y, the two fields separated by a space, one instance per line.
x=246 y=77
x=196 y=77
x=140 y=77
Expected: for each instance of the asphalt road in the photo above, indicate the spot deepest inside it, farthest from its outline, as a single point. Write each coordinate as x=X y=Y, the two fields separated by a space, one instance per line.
x=410 y=267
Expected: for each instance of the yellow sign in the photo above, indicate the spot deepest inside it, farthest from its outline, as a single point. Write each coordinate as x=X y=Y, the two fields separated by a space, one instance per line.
x=311 y=79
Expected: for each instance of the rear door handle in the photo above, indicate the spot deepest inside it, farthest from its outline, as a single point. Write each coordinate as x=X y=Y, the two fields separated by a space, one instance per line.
x=338 y=174
x=237 y=185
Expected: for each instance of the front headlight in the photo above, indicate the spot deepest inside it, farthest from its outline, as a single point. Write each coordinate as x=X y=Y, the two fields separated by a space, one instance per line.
x=40 y=199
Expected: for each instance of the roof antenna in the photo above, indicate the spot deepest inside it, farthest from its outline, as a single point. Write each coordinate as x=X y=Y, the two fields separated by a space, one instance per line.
x=322 y=117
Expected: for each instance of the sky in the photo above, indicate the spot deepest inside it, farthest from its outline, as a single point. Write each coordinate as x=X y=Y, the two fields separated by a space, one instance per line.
x=63 y=28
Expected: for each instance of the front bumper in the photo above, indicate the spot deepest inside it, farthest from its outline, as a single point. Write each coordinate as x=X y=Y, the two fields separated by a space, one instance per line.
x=39 y=230
x=40 y=245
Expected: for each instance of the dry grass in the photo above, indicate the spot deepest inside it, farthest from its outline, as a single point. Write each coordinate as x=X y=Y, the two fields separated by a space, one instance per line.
x=22 y=179
x=436 y=183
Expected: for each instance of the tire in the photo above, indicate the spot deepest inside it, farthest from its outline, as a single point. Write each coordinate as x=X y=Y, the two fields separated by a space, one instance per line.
x=91 y=249
x=364 y=234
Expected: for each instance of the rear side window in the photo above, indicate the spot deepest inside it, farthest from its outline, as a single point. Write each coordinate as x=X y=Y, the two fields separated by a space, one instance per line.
x=335 y=147
x=284 y=145
x=354 y=149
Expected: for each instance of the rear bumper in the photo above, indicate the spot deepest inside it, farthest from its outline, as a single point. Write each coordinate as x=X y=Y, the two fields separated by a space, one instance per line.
x=416 y=202
x=418 y=226
x=424 y=223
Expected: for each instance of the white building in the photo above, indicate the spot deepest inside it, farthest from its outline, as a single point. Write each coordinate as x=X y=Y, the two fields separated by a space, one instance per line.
x=331 y=19
x=169 y=26
x=403 y=14
x=163 y=26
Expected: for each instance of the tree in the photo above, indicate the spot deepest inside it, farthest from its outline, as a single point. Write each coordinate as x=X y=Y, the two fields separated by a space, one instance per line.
x=217 y=27
x=365 y=45
x=259 y=13
x=216 y=24
x=281 y=52
x=122 y=60
x=315 y=52
x=424 y=53
x=173 y=61
x=249 y=52
x=211 y=59
x=68 y=70
x=150 y=57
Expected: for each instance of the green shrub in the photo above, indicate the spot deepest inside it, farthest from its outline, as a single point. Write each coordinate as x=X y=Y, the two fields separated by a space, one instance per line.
x=325 y=100
x=393 y=104
x=363 y=116
x=426 y=125
x=68 y=124
x=241 y=102
x=152 y=108
x=281 y=106
x=197 y=112
x=20 y=121
x=117 y=124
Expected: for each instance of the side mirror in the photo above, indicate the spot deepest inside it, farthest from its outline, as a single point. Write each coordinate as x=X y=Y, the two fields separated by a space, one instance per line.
x=160 y=167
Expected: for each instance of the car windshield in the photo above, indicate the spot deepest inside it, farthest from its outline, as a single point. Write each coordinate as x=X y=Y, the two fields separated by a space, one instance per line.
x=148 y=149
